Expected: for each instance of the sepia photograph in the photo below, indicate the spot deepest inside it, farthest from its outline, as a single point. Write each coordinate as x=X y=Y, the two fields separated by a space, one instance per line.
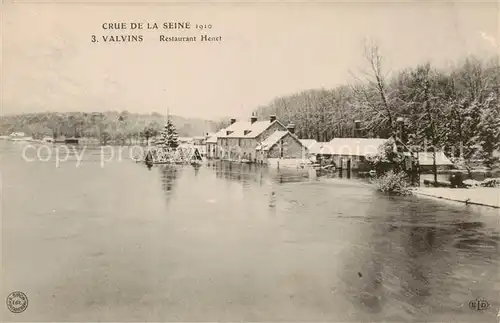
x=250 y=161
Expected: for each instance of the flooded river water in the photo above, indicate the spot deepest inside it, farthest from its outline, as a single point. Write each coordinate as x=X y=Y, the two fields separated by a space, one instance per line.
x=225 y=242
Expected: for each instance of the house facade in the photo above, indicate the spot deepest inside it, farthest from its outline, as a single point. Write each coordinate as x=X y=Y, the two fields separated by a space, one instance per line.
x=281 y=145
x=212 y=150
x=240 y=140
x=313 y=148
x=351 y=151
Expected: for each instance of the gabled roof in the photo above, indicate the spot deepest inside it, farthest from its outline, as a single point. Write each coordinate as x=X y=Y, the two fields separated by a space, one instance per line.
x=313 y=146
x=271 y=140
x=211 y=140
x=316 y=147
x=308 y=142
x=274 y=138
x=238 y=129
x=353 y=146
x=426 y=159
x=222 y=132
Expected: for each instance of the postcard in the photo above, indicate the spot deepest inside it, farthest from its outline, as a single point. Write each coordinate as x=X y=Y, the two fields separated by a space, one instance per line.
x=250 y=161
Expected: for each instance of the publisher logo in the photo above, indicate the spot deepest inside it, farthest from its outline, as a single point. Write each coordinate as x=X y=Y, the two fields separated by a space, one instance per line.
x=479 y=305
x=17 y=302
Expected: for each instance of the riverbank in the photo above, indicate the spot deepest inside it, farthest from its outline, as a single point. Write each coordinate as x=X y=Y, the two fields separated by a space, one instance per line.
x=485 y=196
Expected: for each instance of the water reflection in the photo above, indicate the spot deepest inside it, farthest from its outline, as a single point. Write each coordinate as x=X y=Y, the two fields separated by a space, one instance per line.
x=169 y=175
x=240 y=243
x=243 y=173
x=472 y=238
x=403 y=258
x=196 y=170
x=411 y=260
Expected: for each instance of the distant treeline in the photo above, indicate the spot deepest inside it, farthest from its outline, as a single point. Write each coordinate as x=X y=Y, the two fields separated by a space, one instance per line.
x=445 y=108
x=108 y=127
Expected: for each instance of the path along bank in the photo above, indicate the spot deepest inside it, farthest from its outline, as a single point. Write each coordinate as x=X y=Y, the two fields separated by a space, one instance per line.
x=485 y=196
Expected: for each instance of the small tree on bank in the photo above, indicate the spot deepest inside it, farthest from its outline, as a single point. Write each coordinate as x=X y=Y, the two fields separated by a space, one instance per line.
x=388 y=163
x=393 y=183
x=387 y=158
x=151 y=130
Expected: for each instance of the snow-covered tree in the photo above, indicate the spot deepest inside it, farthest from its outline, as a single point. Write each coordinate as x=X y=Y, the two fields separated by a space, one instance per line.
x=488 y=136
x=169 y=136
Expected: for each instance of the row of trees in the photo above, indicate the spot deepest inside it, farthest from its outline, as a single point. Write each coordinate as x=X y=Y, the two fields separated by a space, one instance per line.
x=456 y=110
x=105 y=127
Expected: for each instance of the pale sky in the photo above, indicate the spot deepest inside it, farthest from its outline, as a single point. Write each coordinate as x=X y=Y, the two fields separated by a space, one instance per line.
x=268 y=50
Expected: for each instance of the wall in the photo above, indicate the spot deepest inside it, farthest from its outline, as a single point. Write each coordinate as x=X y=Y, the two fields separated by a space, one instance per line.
x=357 y=162
x=291 y=149
x=276 y=126
x=247 y=147
x=212 y=150
x=244 y=148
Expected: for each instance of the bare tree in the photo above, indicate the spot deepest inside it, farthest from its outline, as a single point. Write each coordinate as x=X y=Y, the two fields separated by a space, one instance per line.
x=372 y=93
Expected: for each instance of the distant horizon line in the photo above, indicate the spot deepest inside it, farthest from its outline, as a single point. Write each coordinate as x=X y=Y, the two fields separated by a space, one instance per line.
x=15 y=114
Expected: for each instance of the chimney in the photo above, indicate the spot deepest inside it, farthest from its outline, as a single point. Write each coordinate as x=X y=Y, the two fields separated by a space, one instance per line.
x=233 y=120
x=291 y=128
x=357 y=129
x=253 y=118
x=272 y=117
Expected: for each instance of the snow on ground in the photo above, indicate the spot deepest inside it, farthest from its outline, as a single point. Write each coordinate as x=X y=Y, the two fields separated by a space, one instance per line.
x=488 y=196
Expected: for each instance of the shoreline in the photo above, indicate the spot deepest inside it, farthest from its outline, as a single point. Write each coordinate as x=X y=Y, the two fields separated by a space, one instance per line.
x=482 y=196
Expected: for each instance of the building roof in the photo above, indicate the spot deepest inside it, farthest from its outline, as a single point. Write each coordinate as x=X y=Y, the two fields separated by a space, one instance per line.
x=313 y=146
x=426 y=159
x=316 y=148
x=352 y=146
x=274 y=138
x=211 y=140
x=238 y=129
x=308 y=142
x=271 y=140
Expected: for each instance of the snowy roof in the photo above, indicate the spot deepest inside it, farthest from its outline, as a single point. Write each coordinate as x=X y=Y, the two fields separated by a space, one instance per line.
x=308 y=142
x=271 y=140
x=237 y=129
x=212 y=139
x=274 y=138
x=313 y=146
x=426 y=159
x=316 y=148
x=352 y=146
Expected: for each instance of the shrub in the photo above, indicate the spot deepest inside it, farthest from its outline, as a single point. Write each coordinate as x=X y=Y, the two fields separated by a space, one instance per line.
x=392 y=183
x=491 y=182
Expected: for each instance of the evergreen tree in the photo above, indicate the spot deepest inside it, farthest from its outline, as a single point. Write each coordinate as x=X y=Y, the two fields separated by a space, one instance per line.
x=169 y=136
x=488 y=136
